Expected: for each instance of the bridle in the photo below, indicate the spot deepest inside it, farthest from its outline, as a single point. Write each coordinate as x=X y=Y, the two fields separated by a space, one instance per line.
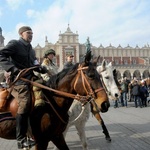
x=103 y=84
x=87 y=87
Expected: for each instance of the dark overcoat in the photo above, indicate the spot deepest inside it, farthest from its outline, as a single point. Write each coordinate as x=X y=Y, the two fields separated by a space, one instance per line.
x=19 y=54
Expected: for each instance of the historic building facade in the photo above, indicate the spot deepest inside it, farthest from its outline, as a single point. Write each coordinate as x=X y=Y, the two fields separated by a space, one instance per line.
x=128 y=61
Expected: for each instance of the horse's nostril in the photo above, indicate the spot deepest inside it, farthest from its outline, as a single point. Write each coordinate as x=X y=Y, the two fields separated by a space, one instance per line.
x=116 y=95
x=105 y=106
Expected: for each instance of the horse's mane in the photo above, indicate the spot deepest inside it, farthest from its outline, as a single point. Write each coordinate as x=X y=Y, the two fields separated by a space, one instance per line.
x=115 y=78
x=54 y=80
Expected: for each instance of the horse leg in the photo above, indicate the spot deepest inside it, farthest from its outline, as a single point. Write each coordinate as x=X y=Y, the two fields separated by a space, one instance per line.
x=42 y=145
x=64 y=134
x=8 y=129
x=80 y=126
x=60 y=142
x=105 y=131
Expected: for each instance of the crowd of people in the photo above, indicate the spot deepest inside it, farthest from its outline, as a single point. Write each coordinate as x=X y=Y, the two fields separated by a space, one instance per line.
x=135 y=91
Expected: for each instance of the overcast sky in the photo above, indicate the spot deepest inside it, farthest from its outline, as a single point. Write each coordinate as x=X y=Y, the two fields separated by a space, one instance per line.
x=104 y=21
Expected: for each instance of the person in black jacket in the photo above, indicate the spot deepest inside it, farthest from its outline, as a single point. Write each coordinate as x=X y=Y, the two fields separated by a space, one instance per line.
x=143 y=93
x=136 y=93
x=15 y=56
x=69 y=61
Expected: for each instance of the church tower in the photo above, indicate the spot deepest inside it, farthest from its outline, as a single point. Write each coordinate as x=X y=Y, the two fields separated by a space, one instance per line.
x=1 y=39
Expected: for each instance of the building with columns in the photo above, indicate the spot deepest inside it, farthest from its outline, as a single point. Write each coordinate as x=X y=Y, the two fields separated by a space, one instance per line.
x=128 y=61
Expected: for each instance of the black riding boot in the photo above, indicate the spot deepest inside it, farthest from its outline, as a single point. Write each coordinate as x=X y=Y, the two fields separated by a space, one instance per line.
x=21 y=130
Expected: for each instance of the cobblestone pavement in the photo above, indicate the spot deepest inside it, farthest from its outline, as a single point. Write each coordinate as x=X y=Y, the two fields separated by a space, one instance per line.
x=129 y=129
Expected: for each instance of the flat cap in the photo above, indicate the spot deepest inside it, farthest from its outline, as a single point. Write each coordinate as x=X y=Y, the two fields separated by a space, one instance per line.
x=23 y=29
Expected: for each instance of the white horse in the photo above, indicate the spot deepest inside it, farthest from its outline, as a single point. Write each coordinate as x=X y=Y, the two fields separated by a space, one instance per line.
x=106 y=72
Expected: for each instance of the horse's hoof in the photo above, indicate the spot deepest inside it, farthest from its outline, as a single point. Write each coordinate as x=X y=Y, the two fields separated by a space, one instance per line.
x=108 y=139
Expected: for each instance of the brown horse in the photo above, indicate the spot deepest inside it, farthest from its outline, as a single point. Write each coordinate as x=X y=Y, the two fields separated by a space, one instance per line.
x=48 y=122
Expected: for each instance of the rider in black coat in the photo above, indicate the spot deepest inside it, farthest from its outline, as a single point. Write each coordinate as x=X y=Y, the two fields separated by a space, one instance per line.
x=15 y=56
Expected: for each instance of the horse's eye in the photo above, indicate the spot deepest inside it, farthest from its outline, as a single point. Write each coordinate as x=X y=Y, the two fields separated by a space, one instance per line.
x=107 y=77
x=91 y=76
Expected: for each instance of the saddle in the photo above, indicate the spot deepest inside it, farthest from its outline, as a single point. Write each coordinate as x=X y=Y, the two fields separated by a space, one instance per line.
x=3 y=98
x=8 y=99
x=5 y=113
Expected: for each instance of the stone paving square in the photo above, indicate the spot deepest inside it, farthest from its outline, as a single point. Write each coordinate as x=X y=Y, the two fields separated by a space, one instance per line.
x=129 y=129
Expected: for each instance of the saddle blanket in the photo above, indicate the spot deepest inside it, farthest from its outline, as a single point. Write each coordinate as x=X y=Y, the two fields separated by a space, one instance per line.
x=6 y=116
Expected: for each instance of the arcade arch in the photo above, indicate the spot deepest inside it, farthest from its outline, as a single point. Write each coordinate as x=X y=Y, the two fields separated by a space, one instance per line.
x=130 y=75
x=146 y=74
x=137 y=74
x=118 y=74
x=127 y=74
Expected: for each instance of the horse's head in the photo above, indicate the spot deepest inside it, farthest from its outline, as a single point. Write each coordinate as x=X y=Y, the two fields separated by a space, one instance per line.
x=106 y=72
x=88 y=82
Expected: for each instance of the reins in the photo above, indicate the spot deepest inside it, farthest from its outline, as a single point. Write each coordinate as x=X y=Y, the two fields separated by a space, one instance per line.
x=104 y=86
x=65 y=94
x=83 y=99
x=78 y=97
x=21 y=73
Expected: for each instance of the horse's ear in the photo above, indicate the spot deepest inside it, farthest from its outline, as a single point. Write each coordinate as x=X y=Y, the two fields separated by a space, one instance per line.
x=104 y=64
x=110 y=64
x=114 y=71
x=96 y=60
x=88 y=57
